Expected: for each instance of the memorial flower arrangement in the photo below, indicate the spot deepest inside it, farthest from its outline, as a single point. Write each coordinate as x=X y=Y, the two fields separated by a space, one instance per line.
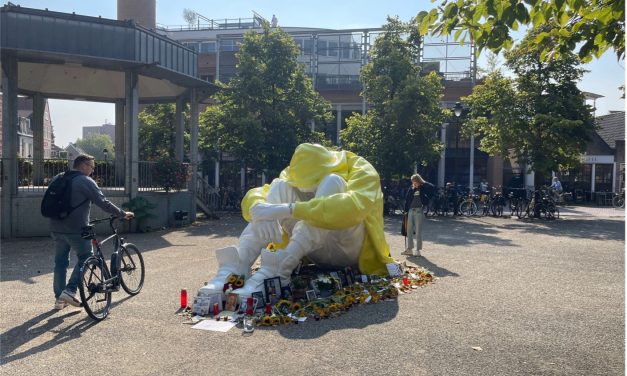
x=342 y=300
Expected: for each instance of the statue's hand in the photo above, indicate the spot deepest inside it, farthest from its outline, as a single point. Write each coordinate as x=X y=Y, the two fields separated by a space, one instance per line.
x=264 y=211
x=268 y=231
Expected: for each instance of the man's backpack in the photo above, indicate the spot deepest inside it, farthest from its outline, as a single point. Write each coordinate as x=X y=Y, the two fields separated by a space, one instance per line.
x=57 y=201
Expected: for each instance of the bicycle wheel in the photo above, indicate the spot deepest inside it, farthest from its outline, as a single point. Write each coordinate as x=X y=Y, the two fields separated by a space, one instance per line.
x=514 y=208
x=523 y=209
x=548 y=211
x=425 y=209
x=467 y=208
x=131 y=269
x=499 y=210
x=618 y=201
x=95 y=296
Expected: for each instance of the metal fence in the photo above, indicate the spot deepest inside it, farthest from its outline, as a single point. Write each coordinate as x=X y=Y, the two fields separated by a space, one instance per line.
x=35 y=176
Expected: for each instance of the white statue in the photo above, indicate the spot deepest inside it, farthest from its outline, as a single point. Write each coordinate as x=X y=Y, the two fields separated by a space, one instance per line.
x=326 y=205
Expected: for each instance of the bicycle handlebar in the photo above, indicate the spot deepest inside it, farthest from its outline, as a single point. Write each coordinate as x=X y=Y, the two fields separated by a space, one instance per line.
x=111 y=219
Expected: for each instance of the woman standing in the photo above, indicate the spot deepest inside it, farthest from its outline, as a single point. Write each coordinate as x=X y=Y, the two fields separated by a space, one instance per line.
x=417 y=196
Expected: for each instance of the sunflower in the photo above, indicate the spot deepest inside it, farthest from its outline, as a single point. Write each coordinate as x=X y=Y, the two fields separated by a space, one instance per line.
x=287 y=319
x=232 y=278
x=283 y=306
x=266 y=320
x=295 y=307
x=239 y=283
x=275 y=320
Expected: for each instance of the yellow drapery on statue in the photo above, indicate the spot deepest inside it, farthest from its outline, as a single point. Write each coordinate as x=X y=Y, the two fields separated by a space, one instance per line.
x=362 y=202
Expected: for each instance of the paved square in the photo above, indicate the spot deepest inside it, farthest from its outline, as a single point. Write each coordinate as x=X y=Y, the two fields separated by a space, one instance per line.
x=537 y=297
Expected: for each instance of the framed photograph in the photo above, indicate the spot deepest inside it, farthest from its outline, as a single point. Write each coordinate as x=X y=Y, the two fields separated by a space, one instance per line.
x=201 y=305
x=335 y=275
x=215 y=299
x=286 y=293
x=342 y=277
x=350 y=275
x=311 y=295
x=261 y=303
x=232 y=301
x=325 y=286
x=272 y=287
x=273 y=299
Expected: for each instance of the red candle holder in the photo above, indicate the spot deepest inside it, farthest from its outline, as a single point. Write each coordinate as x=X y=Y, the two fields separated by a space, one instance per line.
x=249 y=306
x=183 y=298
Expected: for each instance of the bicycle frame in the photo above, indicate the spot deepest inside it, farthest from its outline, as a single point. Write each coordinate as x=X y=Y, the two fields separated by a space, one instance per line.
x=113 y=282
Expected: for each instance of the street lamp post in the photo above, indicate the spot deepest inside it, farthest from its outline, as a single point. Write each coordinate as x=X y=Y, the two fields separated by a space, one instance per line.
x=458 y=110
x=106 y=153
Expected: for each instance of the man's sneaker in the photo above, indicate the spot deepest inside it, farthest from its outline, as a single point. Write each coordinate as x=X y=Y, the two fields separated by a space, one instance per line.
x=416 y=253
x=408 y=252
x=59 y=304
x=70 y=298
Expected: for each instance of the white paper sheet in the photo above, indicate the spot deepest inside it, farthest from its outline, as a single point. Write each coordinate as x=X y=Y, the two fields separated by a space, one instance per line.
x=215 y=326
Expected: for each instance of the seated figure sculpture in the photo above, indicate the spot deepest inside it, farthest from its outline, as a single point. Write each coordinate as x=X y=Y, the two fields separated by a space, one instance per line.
x=326 y=205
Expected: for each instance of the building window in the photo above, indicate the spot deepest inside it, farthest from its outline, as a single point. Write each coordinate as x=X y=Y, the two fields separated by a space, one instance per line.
x=322 y=47
x=191 y=45
x=308 y=46
x=332 y=51
x=206 y=47
x=229 y=45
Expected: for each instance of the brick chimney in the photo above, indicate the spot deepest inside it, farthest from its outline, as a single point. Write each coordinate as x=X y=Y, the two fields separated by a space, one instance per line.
x=144 y=12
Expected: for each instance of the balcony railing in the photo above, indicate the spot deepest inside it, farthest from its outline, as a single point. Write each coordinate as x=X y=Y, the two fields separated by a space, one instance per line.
x=215 y=24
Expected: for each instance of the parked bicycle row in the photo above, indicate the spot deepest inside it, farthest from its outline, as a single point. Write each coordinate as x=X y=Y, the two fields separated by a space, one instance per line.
x=446 y=201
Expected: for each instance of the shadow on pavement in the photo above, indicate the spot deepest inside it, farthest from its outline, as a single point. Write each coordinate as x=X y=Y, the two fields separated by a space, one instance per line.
x=454 y=231
x=15 y=337
x=358 y=317
x=33 y=328
x=594 y=229
x=433 y=268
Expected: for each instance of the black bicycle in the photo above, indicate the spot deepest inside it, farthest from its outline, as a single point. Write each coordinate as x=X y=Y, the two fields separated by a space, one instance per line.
x=618 y=201
x=97 y=281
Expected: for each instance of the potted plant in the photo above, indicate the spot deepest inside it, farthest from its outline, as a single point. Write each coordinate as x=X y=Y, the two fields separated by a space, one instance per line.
x=141 y=207
x=299 y=286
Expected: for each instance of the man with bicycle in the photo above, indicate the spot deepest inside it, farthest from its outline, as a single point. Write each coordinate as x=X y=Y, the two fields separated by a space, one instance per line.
x=556 y=189
x=66 y=232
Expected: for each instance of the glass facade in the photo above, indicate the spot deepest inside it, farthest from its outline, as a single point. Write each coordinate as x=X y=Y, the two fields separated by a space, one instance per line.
x=603 y=178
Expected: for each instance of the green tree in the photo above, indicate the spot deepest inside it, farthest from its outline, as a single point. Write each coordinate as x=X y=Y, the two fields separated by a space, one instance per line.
x=95 y=143
x=266 y=110
x=399 y=129
x=539 y=117
x=157 y=127
x=591 y=26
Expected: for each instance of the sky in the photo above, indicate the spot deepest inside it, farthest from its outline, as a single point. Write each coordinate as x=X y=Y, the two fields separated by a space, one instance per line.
x=68 y=117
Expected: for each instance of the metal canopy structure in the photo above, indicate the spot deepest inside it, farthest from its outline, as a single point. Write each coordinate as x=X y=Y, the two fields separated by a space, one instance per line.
x=47 y=54
x=71 y=56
